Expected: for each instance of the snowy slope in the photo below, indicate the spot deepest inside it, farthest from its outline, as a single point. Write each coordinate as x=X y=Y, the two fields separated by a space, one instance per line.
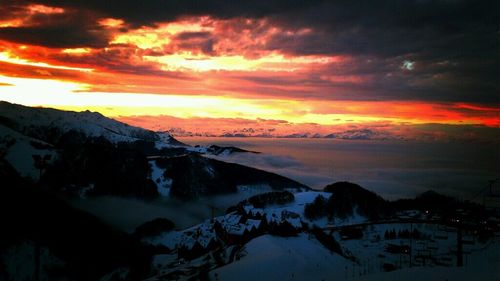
x=300 y=258
x=21 y=127
x=204 y=232
x=163 y=183
x=303 y=257
x=18 y=150
x=276 y=258
x=32 y=121
x=482 y=265
x=274 y=212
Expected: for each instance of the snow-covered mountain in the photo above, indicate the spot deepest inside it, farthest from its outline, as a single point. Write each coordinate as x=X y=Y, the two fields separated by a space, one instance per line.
x=27 y=131
x=47 y=124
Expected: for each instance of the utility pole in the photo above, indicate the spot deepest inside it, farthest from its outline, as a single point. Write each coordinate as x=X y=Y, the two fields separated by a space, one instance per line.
x=41 y=163
x=460 y=258
x=492 y=182
x=38 y=251
x=411 y=240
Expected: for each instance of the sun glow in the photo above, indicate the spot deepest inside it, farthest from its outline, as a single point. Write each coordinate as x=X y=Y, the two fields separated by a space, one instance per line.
x=64 y=95
x=110 y=22
x=29 y=11
x=148 y=37
x=8 y=57
x=76 y=96
x=40 y=92
x=42 y=9
x=76 y=51
x=272 y=62
x=11 y=23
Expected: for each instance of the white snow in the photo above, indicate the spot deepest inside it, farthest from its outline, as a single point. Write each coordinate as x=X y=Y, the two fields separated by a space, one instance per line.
x=253 y=189
x=279 y=213
x=164 y=140
x=198 y=149
x=168 y=239
x=163 y=183
x=276 y=258
x=202 y=233
x=229 y=219
x=252 y=224
x=209 y=170
x=301 y=199
x=89 y=123
x=20 y=153
x=304 y=258
x=84 y=190
x=483 y=265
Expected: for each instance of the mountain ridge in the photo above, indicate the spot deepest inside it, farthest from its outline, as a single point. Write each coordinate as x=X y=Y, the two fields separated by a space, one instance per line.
x=32 y=121
x=87 y=153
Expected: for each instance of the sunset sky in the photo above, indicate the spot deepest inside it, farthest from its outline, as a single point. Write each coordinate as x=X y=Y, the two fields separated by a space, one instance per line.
x=406 y=69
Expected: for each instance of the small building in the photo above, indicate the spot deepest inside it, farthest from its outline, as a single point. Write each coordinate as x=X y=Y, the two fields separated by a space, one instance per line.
x=235 y=229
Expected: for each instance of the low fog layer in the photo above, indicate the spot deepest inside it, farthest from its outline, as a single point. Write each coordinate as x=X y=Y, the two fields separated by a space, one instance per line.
x=393 y=169
x=128 y=213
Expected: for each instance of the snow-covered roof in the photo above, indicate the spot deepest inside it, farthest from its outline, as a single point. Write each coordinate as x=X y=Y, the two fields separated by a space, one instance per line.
x=205 y=240
x=250 y=224
x=295 y=222
x=248 y=209
x=202 y=234
x=230 y=219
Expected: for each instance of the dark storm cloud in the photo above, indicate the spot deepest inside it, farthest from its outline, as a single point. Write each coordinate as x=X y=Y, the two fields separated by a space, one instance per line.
x=55 y=36
x=384 y=28
x=66 y=29
x=196 y=42
x=452 y=45
x=139 y=13
x=193 y=35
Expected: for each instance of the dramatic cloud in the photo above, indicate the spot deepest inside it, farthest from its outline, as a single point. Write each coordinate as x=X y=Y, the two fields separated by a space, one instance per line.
x=437 y=61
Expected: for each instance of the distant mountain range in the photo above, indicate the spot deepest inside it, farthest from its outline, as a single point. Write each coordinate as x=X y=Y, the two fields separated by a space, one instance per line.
x=353 y=131
x=352 y=134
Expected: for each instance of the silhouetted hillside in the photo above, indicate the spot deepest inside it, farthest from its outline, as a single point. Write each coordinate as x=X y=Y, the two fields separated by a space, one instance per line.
x=349 y=197
x=195 y=175
x=89 y=248
x=100 y=167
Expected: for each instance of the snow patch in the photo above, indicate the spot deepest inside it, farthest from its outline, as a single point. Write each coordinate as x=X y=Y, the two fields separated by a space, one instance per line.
x=19 y=152
x=163 y=183
x=253 y=189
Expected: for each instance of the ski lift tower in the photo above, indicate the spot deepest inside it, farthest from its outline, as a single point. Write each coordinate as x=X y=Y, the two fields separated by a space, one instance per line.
x=491 y=199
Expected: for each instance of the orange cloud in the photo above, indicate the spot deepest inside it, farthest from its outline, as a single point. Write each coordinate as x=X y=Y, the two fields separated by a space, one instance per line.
x=226 y=71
